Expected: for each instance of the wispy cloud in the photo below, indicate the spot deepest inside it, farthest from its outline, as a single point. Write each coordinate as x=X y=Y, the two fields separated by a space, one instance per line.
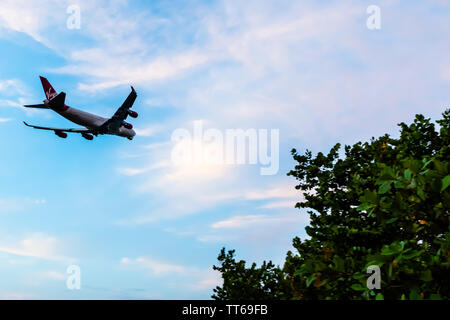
x=40 y=278
x=36 y=245
x=155 y=267
x=254 y=221
x=256 y=231
x=208 y=280
x=280 y=204
x=12 y=87
x=195 y=279
x=286 y=191
x=148 y=131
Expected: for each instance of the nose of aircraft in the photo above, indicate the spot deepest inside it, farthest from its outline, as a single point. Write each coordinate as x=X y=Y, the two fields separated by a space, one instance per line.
x=132 y=134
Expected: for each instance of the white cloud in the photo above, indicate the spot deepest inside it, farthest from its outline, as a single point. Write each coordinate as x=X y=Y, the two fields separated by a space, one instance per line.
x=148 y=131
x=208 y=280
x=155 y=267
x=199 y=186
x=54 y=275
x=28 y=20
x=191 y=278
x=258 y=232
x=12 y=87
x=36 y=245
x=160 y=69
x=280 y=204
x=40 y=278
x=255 y=221
x=287 y=191
x=131 y=171
x=136 y=171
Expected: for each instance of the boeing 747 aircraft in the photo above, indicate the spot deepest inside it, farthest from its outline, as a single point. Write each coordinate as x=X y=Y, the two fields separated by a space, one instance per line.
x=94 y=125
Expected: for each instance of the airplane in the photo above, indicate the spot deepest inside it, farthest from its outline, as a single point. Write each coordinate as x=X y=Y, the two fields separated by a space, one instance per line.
x=94 y=125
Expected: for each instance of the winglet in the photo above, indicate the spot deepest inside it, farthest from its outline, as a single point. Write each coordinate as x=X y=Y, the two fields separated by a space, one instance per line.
x=26 y=124
x=132 y=89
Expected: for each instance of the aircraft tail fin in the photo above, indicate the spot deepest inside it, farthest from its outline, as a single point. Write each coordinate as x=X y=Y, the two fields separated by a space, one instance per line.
x=58 y=102
x=50 y=93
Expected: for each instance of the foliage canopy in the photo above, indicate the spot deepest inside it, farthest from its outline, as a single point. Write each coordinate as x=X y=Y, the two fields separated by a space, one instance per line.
x=384 y=202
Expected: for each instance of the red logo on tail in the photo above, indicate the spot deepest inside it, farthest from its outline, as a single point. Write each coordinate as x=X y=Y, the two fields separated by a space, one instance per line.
x=50 y=93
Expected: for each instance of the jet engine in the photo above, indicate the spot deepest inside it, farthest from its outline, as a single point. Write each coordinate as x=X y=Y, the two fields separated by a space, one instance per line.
x=127 y=125
x=61 y=134
x=87 y=136
x=133 y=114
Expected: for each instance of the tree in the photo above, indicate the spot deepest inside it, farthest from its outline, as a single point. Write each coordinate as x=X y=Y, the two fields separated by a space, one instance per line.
x=385 y=203
x=264 y=283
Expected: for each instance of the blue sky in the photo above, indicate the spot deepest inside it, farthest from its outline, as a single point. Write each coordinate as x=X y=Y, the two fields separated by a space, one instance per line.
x=139 y=226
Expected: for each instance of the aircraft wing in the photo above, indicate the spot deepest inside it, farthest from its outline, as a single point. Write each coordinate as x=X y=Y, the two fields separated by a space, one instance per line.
x=114 y=123
x=80 y=130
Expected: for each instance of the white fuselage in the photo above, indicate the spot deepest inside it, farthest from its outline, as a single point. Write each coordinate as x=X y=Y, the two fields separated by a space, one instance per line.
x=91 y=121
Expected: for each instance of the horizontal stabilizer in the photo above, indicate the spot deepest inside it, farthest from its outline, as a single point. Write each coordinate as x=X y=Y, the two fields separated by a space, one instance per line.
x=37 y=106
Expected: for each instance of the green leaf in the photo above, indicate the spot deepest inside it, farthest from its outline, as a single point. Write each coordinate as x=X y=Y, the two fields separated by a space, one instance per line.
x=426 y=276
x=384 y=187
x=408 y=174
x=420 y=193
x=310 y=279
x=393 y=248
x=379 y=296
x=357 y=287
x=373 y=263
x=411 y=254
x=387 y=174
x=338 y=263
x=369 y=196
x=426 y=163
x=414 y=295
x=359 y=275
x=445 y=182
x=391 y=220
x=365 y=206
x=435 y=296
